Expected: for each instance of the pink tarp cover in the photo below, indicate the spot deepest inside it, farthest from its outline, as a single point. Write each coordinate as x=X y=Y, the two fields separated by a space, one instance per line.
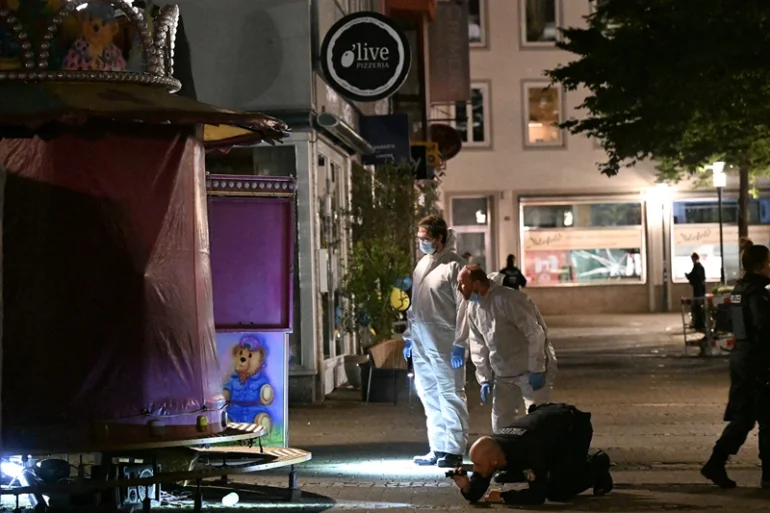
x=108 y=309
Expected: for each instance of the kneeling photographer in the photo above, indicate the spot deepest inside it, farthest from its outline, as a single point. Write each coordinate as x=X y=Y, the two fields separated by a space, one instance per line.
x=548 y=449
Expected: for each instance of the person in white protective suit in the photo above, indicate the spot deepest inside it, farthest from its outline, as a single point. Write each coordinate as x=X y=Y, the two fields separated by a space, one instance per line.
x=515 y=361
x=436 y=340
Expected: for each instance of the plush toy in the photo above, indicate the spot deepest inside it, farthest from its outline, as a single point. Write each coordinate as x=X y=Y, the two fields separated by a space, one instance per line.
x=248 y=391
x=95 y=49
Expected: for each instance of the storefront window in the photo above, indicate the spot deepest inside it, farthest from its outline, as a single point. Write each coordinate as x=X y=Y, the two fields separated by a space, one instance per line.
x=696 y=230
x=582 y=243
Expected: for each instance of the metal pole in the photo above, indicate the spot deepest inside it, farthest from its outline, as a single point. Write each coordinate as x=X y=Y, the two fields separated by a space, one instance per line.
x=666 y=303
x=721 y=239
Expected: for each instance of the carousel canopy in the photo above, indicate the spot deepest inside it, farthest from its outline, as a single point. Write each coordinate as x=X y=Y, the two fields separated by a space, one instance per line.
x=67 y=63
x=30 y=108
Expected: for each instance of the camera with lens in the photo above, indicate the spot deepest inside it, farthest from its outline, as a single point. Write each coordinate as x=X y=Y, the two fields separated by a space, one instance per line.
x=456 y=472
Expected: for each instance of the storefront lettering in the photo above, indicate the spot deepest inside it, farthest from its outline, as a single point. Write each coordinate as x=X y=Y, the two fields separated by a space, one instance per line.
x=545 y=240
x=696 y=236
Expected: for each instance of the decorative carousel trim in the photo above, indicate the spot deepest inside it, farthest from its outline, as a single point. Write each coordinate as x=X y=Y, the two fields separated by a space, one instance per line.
x=133 y=14
x=27 y=56
x=173 y=85
x=166 y=24
x=228 y=185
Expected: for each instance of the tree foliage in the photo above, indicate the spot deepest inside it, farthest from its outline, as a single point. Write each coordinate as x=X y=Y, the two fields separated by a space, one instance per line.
x=385 y=208
x=680 y=82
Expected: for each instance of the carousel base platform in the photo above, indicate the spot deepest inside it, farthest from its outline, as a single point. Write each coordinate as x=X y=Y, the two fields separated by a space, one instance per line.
x=130 y=477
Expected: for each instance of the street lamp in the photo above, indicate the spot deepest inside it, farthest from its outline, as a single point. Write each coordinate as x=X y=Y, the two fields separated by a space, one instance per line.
x=719 y=179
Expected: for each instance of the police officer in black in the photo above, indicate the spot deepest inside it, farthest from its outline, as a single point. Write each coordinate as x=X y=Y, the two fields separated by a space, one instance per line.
x=512 y=275
x=548 y=449
x=749 y=400
x=697 y=279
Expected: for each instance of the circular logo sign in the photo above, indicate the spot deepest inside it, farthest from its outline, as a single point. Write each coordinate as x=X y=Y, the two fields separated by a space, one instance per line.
x=365 y=57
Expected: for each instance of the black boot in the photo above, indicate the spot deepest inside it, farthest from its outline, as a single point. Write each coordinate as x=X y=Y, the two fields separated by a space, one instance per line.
x=714 y=470
x=602 y=478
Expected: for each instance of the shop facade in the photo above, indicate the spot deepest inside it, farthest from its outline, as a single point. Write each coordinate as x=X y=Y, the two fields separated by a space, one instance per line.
x=280 y=70
x=587 y=243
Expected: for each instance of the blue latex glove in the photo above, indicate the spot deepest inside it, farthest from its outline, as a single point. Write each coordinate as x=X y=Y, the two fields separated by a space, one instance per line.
x=486 y=390
x=458 y=357
x=537 y=380
x=407 y=348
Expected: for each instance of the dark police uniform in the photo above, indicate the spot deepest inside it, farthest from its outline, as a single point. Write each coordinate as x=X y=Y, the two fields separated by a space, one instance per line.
x=513 y=277
x=749 y=399
x=697 y=279
x=549 y=449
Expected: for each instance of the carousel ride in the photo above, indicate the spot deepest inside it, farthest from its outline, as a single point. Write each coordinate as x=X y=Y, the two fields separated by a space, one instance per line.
x=111 y=379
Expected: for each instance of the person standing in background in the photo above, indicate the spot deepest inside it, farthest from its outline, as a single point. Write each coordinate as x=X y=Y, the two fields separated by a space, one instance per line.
x=513 y=277
x=697 y=279
x=436 y=340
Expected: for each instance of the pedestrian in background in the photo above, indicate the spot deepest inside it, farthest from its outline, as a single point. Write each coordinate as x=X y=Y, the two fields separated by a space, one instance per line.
x=697 y=279
x=513 y=277
x=436 y=341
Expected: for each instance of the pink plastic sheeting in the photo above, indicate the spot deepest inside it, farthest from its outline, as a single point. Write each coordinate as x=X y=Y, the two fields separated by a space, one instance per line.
x=108 y=302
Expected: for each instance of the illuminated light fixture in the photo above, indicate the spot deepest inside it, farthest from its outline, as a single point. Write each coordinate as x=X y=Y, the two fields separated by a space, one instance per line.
x=535 y=125
x=11 y=469
x=481 y=217
x=719 y=180
x=659 y=192
x=718 y=167
x=569 y=219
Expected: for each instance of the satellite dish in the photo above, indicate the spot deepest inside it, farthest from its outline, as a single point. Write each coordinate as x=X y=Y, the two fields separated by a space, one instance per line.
x=447 y=138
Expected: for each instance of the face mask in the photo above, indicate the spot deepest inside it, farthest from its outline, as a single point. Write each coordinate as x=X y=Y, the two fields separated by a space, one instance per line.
x=474 y=298
x=427 y=247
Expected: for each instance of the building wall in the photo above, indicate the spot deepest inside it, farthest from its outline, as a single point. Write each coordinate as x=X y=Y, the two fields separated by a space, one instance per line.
x=250 y=54
x=510 y=173
x=262 y=55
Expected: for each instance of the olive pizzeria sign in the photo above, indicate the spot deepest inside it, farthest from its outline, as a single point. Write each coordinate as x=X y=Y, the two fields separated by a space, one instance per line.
x=365 y=57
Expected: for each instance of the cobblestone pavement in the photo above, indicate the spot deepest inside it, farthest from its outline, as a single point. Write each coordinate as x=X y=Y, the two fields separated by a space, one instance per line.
x=656 y=411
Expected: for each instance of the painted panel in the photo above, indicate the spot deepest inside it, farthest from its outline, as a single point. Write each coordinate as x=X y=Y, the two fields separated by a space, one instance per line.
x=254 y=370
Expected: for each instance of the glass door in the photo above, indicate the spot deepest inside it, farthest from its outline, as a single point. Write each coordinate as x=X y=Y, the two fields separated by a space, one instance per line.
x=471 y=220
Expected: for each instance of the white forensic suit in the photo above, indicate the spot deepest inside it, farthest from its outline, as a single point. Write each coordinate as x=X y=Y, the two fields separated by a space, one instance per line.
x=436 y=324
x=508 y=340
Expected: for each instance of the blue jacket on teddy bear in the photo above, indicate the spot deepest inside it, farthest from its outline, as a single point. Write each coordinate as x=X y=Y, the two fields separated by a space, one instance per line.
x=250 y=392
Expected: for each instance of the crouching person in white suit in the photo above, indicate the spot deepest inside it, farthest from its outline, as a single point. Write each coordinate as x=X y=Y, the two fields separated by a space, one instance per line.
x=515 y=362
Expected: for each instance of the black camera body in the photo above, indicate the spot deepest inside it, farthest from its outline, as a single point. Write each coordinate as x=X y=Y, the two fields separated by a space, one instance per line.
x=456 y=472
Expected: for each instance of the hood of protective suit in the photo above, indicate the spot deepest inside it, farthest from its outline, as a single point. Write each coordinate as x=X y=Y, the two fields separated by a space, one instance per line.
x=451 y=240
x=496 y=278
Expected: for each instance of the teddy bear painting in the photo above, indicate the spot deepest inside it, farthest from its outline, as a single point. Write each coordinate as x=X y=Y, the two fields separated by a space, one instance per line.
x=95 y=49
x=248 y=390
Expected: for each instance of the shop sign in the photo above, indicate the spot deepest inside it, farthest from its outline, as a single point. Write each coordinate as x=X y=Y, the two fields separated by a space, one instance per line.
x=389 y=135
x=576 y=239
x=708 y=234
x=365 y=57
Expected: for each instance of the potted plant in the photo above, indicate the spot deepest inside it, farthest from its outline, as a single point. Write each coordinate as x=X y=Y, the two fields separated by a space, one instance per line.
x=385 y=208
